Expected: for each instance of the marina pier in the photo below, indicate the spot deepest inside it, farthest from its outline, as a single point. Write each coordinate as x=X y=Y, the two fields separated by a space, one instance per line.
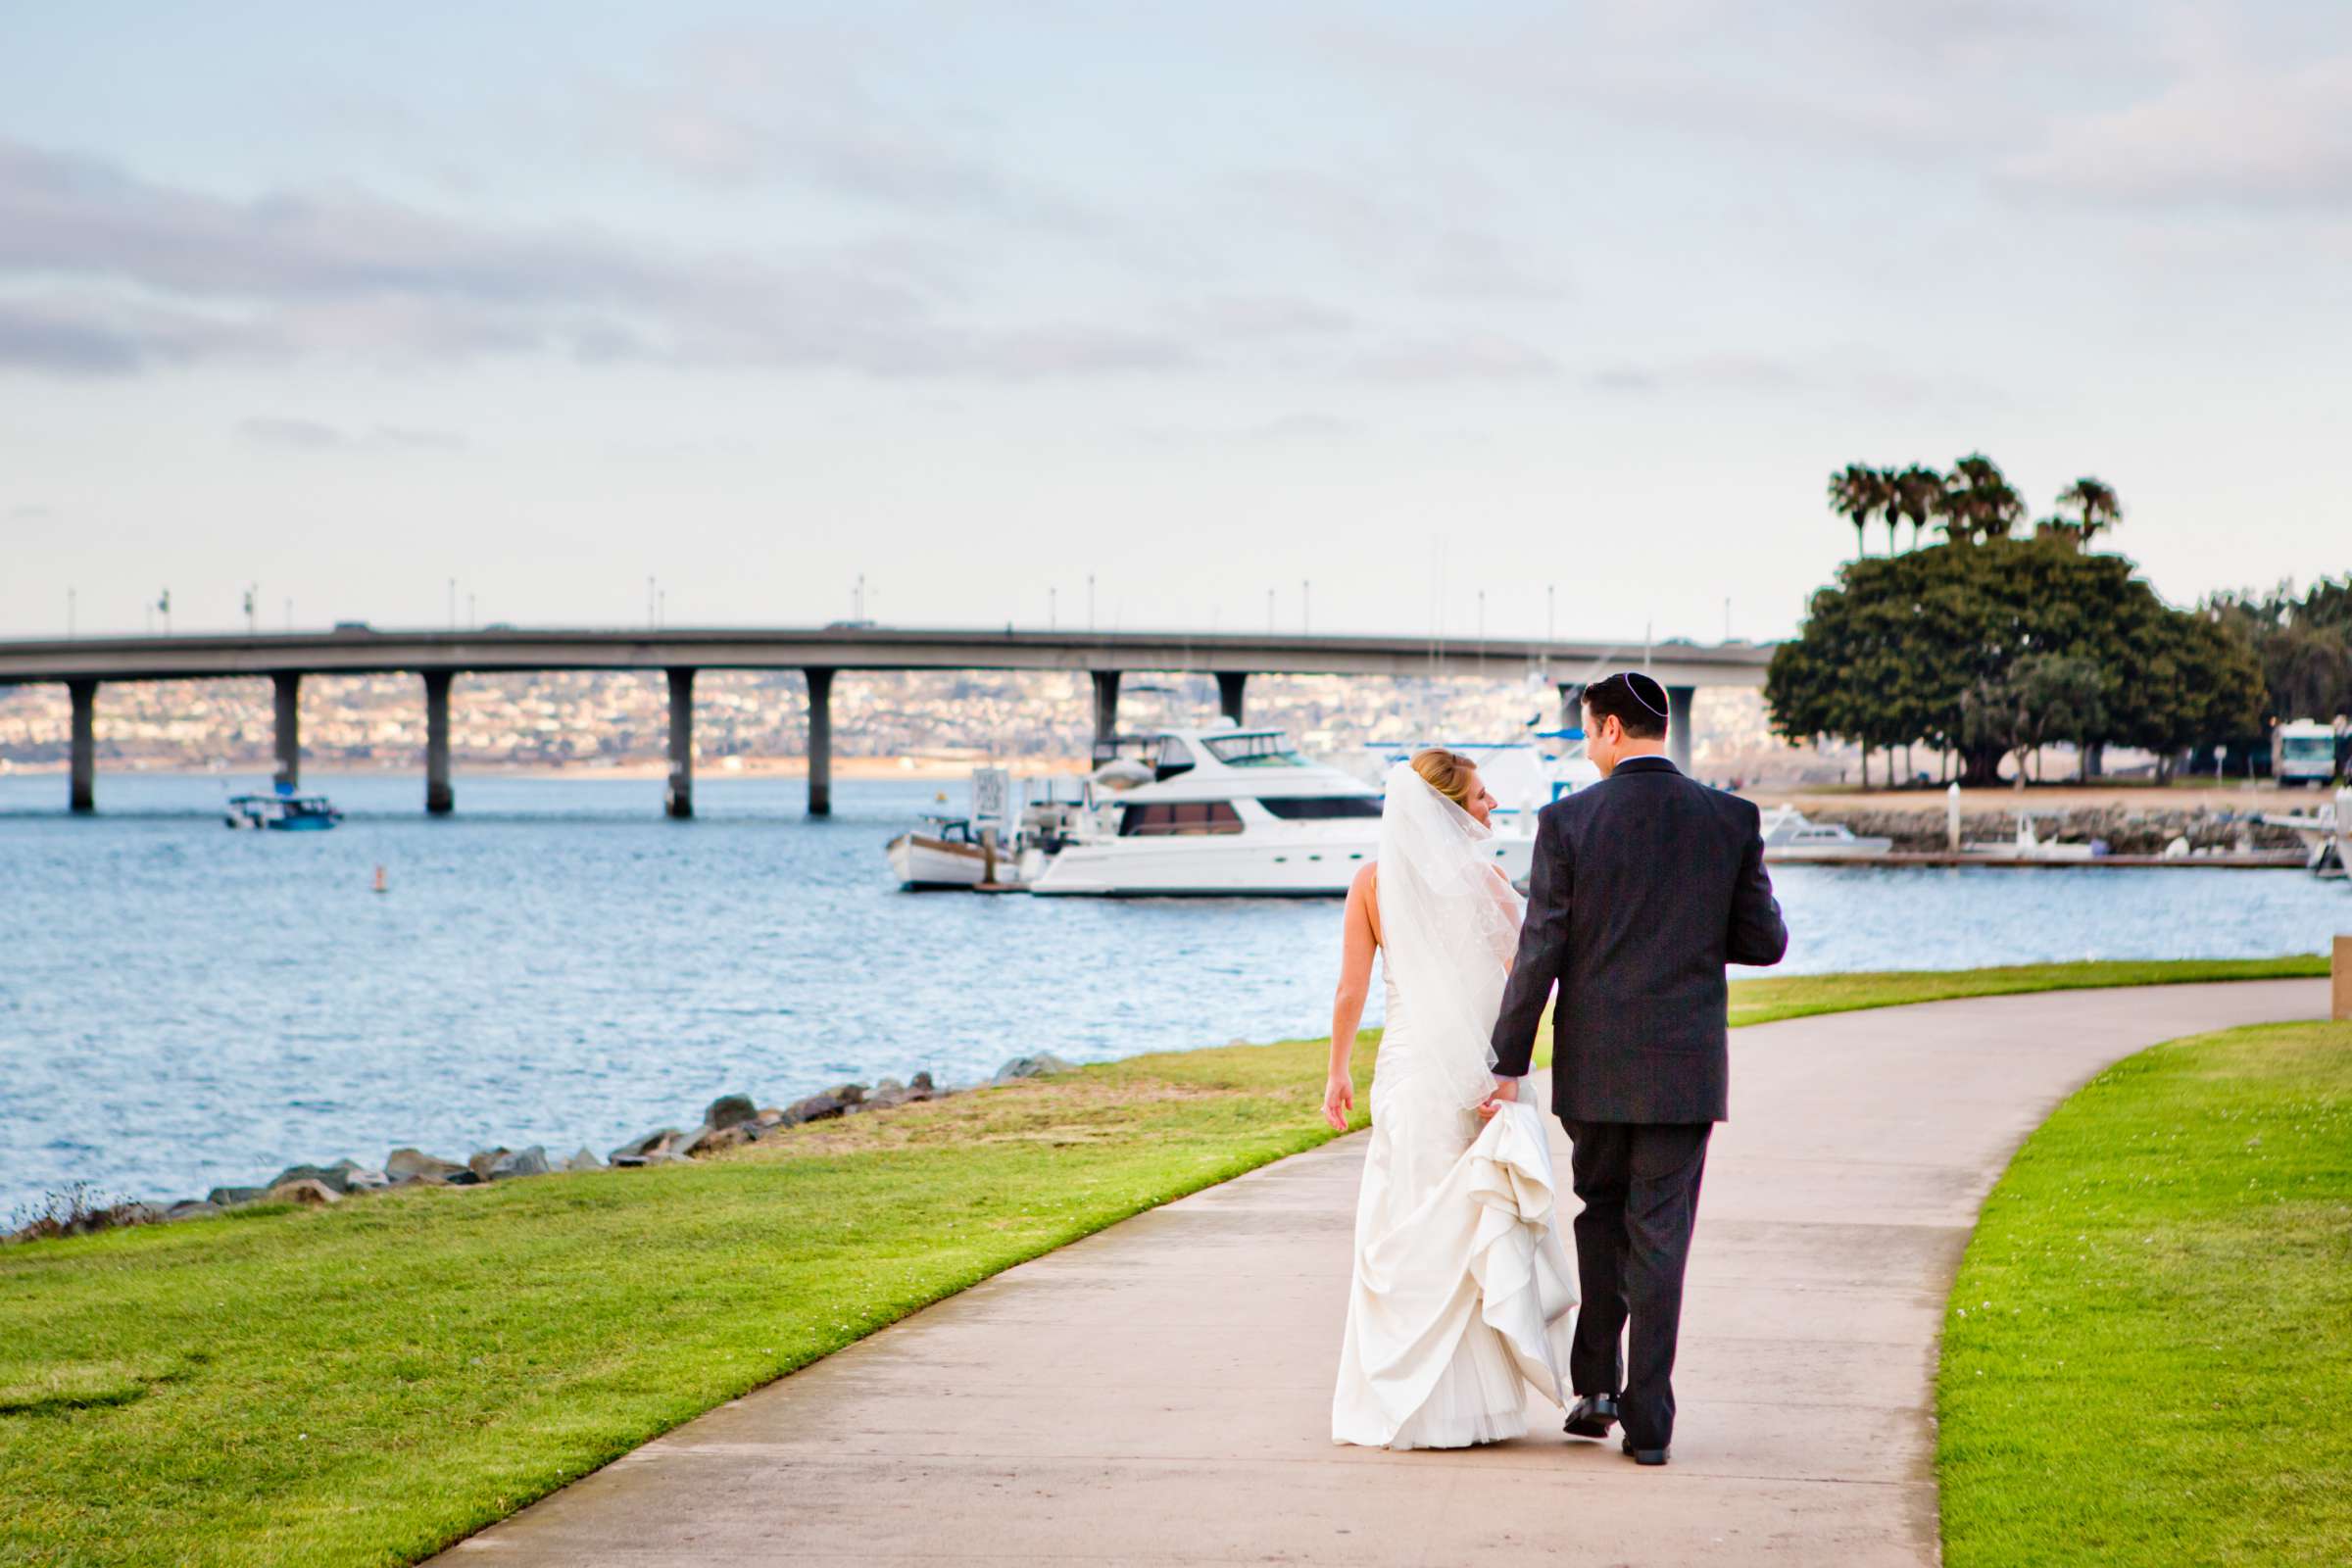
x=84 y=665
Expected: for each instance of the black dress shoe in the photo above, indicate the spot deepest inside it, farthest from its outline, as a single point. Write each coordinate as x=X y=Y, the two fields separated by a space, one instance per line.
x=1593 y=1415
x=1644 y=1456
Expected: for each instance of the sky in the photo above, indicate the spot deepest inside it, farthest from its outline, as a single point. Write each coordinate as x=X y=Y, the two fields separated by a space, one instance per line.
x=1361 y=317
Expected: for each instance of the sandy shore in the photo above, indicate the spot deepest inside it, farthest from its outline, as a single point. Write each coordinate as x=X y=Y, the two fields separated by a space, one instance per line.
x=705 y=769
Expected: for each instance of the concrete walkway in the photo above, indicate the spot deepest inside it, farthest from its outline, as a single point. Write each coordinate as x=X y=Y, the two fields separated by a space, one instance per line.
x=1161 y=1392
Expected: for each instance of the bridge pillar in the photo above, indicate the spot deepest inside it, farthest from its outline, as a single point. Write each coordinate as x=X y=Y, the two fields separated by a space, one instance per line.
x=288 y=702
x=82 y=793
x=679 y=799
x=1572 y=705
x=1229 y=692
x=1680 y=711
x=1106 y=704
x=439 y=797
x=820 y=742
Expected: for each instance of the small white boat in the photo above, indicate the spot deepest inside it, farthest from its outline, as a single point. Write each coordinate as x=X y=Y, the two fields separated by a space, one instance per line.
x=1788 y=835
x=2327 y=836
x=283 y=812
x=2027 y=847
x=947 y=854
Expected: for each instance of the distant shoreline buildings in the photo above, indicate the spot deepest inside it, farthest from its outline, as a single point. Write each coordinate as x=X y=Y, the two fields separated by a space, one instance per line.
x=613 y=718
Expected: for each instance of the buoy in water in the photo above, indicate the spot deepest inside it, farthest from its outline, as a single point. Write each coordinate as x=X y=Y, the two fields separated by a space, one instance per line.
x=379 y=881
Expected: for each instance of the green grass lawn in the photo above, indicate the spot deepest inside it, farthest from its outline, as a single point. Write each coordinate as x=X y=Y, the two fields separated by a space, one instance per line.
x=368 y=1383
x=2155 y=1365
x=1762 y=1001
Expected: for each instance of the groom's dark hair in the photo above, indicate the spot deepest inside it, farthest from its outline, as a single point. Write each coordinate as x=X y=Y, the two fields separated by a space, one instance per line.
x=1634 y=700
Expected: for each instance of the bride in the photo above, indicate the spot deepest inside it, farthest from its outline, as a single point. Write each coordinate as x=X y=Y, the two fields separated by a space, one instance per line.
x=1462 y=1295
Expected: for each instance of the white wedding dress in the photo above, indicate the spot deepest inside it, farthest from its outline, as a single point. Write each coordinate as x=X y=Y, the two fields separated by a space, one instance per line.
x=1463 y=1291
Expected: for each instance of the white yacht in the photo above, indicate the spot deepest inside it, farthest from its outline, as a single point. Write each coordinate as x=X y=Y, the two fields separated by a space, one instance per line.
x=1222 y=813
x=1788 y=835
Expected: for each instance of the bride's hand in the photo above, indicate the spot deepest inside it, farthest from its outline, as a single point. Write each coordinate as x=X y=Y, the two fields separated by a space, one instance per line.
x=1505 y=1089
x=1338 y=1099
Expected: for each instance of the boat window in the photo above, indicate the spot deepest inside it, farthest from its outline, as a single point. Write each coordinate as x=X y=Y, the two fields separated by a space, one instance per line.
x=1319 y=808
x=1174 y=758
x=1268 y=749
x=1164 y=818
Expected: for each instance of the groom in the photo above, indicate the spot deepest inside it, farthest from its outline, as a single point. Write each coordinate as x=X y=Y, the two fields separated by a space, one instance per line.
x=1645 y=886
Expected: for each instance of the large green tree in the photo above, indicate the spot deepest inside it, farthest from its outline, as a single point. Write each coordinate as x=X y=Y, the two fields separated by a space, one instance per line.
x=1892 y=653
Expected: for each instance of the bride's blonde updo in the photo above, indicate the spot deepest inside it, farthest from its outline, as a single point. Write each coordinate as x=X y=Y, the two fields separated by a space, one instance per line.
x=1447 y=772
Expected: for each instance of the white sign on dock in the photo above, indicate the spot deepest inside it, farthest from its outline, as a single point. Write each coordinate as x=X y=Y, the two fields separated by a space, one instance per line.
x=992 y=796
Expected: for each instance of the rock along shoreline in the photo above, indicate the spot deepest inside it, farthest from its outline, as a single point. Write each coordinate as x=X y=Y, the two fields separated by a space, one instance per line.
x=727 y=1122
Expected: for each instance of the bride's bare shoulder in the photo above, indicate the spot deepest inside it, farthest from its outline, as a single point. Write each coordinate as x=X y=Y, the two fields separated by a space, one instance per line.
x=1363 y=899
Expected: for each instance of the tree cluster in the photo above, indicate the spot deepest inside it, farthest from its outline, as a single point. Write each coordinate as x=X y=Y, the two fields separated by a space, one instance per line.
x=1989 y=645
x=1973 y=503
x=2303 y=645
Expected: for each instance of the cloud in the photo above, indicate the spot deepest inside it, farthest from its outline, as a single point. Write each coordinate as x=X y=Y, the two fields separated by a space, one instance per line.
x=412 y=439
x=1263 y=318
x=2227 y=134
x=1722 y=372
x=164 y=275
x=1835 y=375
x=1909 y=83
x=1302 y=429
x=290 y=434
x=295 y=436
x=1460 y=357
x=741 y=107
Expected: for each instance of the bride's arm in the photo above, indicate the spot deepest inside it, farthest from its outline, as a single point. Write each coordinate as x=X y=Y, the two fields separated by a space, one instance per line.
x=1513 y=909
x=1358 y=942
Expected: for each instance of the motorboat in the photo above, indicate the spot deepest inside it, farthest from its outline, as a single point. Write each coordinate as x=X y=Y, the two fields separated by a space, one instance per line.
x=284 y=813
x=2327 y=835
x=1790 y=836
x=2025 y=845
x=947 y=851
x=1220 y=812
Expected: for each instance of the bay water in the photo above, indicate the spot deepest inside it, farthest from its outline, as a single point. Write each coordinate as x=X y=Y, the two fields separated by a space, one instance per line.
x=181 y=1006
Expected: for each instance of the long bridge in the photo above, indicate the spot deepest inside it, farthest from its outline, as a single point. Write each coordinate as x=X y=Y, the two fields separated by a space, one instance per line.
x=83 y=665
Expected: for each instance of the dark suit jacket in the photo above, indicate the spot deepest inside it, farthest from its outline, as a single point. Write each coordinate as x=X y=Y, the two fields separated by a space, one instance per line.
x=1645 y=885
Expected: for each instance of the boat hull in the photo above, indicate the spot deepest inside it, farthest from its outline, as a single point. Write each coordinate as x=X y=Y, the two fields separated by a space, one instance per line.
x=1245 y=866
x=925 y=865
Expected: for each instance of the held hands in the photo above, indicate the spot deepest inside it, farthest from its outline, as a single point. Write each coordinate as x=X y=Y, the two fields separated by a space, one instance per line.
x=1338 y=1099
x=1506 y=1090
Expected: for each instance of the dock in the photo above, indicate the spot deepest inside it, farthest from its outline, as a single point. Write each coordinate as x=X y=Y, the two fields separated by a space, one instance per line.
x=2247 y=861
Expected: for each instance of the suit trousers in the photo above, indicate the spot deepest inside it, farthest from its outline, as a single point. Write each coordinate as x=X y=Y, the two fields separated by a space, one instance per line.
x=1639 y=1182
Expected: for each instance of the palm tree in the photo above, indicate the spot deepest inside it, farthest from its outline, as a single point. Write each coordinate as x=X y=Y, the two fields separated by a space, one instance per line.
x=1858 y=493
x=1916 y=491
x=2096 y=507
x=1977 y=501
